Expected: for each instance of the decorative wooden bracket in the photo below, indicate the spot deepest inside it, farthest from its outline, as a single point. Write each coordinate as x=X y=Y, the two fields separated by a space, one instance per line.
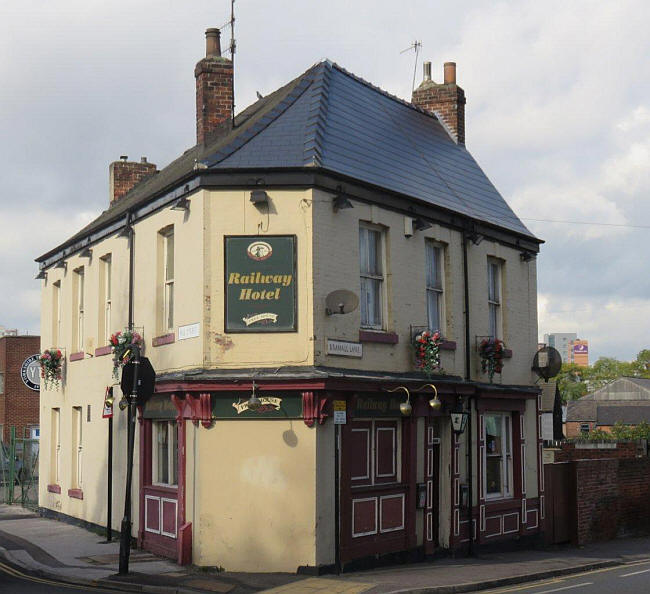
x=195 y=408
x=313 y=407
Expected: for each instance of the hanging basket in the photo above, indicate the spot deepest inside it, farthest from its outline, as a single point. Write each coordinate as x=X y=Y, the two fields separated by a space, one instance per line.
x=121 y=347
x=427 y=351
x=491 y=352
x=51 y=361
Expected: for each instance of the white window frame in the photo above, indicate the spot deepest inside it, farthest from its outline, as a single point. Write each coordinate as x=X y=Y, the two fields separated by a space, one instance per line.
x=107 y=272
x=80 y=285
x=506 y=456
x=168 y=278
x=369 y=277
x=56 y=445
x=435 y=287
x=495 y=298
x=172 y=453
x=77 y=445
x=56 y=312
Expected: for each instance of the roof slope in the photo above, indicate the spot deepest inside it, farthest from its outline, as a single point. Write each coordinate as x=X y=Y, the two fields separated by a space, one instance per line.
x=345 y=125
x=331 y=119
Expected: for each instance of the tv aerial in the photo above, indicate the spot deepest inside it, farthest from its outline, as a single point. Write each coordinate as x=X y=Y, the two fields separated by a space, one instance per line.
x=341 y=301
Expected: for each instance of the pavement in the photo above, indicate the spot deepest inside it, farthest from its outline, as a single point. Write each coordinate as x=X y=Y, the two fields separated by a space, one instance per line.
x=57 y=550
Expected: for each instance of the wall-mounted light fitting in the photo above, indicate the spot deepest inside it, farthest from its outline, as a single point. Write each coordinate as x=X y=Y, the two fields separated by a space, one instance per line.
x=125 y=231
x=527 y=256
x=476 y=238
x=341 y=200
x=86 y=253
x=181 y=204
x=254 y=402
x=61 y=264
x=259 y=197
x=435 y=402
x=41 y=274
x=404 y=407
x=420 y=224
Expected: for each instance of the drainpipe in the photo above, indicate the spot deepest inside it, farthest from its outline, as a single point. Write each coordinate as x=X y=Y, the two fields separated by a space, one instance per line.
x=468 y=377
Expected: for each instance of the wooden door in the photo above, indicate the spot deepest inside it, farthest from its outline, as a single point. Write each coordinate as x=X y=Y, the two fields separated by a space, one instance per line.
x=376 y=514
x=559 y=492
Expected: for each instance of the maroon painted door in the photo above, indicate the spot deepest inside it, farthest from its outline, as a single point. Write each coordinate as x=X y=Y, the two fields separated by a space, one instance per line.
x=376 y=501
x=160 y=488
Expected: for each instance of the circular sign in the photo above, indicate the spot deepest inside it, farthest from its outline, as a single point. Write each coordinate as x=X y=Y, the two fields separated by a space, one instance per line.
x=30 y=372
x=259 y=250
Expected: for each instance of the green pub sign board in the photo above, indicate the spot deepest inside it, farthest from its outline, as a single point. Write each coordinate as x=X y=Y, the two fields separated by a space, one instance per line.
x=260 y=283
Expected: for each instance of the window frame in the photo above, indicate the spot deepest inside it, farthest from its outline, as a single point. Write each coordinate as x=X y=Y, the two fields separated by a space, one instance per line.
x=79 y=306
x=506 y=456
x=434 y=247
x=55 y=445
x=495 y=298
x=77 y=446
x=168 y=280
x=378 y=276
x=56 y=312
x=106 y=302
x=172 y=453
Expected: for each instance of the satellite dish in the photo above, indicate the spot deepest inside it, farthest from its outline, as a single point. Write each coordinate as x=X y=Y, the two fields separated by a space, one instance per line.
x=341 y=302
x=547 y=363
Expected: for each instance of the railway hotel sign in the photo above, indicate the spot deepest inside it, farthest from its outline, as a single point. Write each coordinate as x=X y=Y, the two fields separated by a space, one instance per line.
x=260 y=283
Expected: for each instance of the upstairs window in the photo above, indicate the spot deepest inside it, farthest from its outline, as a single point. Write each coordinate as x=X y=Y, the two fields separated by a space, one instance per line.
x=77 y=446
x=168 y=279
x=494 y=298
x=435 y=287
x=79 y=308
x=56 y=313
x=105 y=298
x=372 y=277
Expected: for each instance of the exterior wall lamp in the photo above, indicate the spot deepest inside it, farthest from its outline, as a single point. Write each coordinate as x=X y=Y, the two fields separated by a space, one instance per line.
x=259 y=197
x=254 y=402
x=341 y=200
x=459 y=418
x=41 y=274
x=404 y=407
x=181 y=204
x=421 y=225
x=61 y=264
x=435 y=402
x=86 y=253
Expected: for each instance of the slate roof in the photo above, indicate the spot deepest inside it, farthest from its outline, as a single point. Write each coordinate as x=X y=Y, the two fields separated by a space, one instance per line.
x=628 y=415
x=626 y=399
x=327 y=118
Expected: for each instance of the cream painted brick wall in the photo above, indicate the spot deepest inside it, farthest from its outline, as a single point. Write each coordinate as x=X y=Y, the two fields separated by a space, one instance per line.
x=336 y=266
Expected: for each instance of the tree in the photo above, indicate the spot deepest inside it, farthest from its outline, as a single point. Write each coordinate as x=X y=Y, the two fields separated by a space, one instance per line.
x=641 y=366
x=570 y=381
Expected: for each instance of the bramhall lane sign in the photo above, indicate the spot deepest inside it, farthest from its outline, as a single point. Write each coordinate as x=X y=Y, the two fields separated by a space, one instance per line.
x=260 y=283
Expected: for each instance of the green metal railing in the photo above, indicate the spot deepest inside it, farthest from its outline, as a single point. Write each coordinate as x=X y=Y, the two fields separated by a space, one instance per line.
x=19 y=471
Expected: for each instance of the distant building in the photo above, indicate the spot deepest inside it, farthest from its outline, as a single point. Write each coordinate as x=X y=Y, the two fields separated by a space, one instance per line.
x=571 y=348
x=625 y=400
x=19 y=385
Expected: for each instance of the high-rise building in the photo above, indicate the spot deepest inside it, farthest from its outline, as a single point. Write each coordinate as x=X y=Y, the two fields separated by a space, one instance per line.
x=571 y=348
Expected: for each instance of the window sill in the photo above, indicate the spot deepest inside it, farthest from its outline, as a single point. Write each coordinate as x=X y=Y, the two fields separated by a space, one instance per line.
x=105 y=350
x=164 y=339
x=76 y=493
x=378 y=336
x=77 y=356
x=54 y=489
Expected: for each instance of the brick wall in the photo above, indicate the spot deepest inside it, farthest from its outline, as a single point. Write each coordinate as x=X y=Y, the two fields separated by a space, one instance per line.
x=448 y=101
x=611 y=498
x=590 y=451
x=214 y=81
x=124 y=175
x=18 y=404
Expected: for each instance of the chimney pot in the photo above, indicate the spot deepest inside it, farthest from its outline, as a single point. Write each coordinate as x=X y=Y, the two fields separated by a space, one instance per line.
x=124 y=158
x=143 y=159
x=427 y=71
x=212 y=43
x=450 y=73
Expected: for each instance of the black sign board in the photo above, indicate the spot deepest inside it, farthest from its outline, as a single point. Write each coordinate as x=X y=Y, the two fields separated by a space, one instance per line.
x=260 y=283
x=30 y=372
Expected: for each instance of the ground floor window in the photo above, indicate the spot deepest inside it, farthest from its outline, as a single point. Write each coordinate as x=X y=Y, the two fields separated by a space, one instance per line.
x=497 y=460
x=165 y=453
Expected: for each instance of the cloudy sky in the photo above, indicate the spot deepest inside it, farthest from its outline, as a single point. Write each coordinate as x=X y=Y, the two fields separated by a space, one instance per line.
x=558 y=115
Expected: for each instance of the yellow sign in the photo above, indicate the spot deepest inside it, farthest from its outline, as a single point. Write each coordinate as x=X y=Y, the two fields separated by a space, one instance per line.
x=339 y=405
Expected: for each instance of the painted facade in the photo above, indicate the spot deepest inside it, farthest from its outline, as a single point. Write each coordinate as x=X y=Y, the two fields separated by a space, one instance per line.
x=282 y=487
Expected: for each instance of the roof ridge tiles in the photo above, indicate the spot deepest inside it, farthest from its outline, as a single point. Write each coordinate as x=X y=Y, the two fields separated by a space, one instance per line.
x=314 y=132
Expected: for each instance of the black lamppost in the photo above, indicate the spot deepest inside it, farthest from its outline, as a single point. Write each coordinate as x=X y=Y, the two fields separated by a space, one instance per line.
x=125 y=535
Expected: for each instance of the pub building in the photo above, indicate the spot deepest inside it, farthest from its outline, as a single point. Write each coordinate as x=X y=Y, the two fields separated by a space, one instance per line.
x=283 y=271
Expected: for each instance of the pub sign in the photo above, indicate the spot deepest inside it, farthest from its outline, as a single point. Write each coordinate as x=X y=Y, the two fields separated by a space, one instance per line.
x=260 y=283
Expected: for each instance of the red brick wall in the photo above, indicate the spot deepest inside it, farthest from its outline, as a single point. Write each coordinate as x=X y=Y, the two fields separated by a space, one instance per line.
x=214 y=80
x=612 y=498
x=569 y=452
x=18 y=404
x=448 y=101
x=125 y=175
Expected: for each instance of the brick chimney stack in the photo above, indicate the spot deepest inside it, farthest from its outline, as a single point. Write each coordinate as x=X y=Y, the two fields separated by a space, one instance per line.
x=214 y=88
x=446 y=99
x=123 y=175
